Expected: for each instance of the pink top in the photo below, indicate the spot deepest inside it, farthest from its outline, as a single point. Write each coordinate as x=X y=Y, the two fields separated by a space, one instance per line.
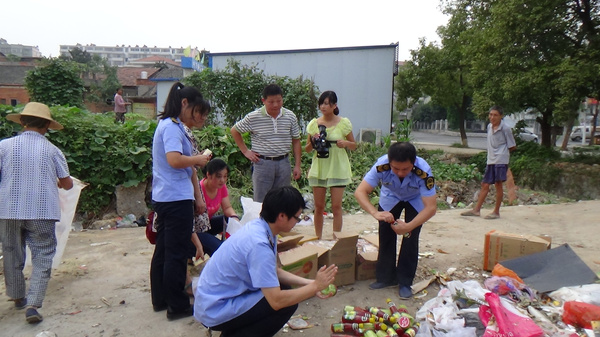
x=120 y=104
x=213 y=205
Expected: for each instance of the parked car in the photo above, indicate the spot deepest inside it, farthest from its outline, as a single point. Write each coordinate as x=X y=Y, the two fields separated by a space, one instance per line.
x=577 y=133
x=528 y=136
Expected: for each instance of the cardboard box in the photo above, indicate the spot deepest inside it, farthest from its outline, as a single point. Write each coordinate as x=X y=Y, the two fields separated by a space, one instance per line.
x=288 y=242
x=499 y=246
x=301 y=261
x=342 y=254
x=365 y=265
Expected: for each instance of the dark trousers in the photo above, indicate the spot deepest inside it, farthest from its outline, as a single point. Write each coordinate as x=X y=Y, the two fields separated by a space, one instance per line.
x=169 y=262
x=404 y=271
x=210 y=243
x=260 y=321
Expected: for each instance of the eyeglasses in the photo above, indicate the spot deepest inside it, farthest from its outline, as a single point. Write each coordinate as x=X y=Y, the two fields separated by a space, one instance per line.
x=298 y=218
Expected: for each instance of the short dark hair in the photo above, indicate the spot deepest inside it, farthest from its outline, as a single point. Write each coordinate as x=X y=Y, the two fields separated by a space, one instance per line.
x=34 y=122
x=214 y=166
x=286 y=200
x=272 y=90
x=497 y=108
x=332 y=100
x=402 y=151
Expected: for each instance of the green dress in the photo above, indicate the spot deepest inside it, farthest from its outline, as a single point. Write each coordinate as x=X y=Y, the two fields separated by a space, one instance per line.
x=335 y=170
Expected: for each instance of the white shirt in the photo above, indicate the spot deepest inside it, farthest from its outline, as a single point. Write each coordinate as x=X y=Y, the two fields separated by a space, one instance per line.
x=30 y=166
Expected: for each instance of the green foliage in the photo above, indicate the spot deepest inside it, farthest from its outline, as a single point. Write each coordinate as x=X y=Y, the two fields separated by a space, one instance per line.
x=101 y=153
x=403 y=131
x=55 y=82
x=454 y=172
x=237 y=90
x=8 y=128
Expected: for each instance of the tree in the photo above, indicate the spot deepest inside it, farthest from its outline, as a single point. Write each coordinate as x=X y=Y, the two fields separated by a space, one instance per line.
x=55 y=82
x=441 y=72
x=237 y=90
x=525 y=54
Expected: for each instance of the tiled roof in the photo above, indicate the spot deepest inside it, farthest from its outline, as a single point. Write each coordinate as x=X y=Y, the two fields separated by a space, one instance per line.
x=169 y=73
x=128 y=76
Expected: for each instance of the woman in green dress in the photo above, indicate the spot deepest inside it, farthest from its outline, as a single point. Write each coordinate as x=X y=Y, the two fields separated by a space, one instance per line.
x=330 y=136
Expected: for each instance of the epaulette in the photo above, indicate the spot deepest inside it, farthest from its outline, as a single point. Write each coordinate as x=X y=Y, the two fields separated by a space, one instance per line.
x=174 y=120
x=429 y=180
x=383 y=168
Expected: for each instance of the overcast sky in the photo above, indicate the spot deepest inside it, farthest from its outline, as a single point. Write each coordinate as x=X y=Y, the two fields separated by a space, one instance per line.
x=221 y=25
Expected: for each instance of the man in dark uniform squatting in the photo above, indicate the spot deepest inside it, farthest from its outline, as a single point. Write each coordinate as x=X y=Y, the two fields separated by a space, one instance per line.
x=406 y=184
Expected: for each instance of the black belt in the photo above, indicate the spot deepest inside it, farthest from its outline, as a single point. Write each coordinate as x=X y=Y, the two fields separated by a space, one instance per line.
x=273 y=158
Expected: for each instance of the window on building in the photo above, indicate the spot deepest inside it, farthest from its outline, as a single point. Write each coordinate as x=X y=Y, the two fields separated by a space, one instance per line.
x=3 y=101
x=13 y=102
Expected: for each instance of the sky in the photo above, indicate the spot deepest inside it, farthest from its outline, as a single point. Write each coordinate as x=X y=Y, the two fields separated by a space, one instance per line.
x=222 y=25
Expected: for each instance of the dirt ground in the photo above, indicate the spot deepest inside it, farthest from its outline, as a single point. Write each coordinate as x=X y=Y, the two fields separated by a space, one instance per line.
x=102 y=287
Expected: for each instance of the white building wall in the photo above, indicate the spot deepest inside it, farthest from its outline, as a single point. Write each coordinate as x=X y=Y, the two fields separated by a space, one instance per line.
x=362 y=77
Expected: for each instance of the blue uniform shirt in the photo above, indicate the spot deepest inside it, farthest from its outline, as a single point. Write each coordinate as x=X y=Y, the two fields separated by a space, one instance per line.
x=411 y=189
x=231 y=281
x=169 y=183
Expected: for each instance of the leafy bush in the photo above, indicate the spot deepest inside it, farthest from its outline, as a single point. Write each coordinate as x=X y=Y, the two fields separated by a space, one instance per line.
x=99 y=152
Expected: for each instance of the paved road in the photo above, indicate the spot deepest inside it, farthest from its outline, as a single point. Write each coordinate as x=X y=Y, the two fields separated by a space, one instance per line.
x=475 y=140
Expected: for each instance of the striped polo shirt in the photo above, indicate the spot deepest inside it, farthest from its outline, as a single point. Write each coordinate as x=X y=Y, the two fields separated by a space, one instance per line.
x=270 y=136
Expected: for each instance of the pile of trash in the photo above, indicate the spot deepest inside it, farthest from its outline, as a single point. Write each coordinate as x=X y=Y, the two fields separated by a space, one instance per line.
x=506 y=306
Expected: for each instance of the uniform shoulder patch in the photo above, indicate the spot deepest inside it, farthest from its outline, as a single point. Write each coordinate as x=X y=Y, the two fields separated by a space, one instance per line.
x=422 y=174
x=383 y=168
x=429 y=182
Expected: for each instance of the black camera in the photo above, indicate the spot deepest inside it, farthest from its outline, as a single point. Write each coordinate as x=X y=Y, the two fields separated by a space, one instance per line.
x=320 y=143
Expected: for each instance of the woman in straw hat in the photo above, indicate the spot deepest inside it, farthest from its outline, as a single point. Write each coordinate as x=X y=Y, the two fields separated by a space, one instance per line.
x=32 y=170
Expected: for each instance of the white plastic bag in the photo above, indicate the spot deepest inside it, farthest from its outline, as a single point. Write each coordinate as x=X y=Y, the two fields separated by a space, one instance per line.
x=233 y=225
x=251 y=209
x=68 y=205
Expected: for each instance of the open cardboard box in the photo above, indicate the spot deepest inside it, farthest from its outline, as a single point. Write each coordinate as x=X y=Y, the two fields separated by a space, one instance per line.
x=301 y=261
x=499 y=246
x=365 y=265
x=288 y=242
x=342 y=254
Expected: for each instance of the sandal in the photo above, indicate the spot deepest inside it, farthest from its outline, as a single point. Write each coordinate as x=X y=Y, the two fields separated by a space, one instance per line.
x=492 y=216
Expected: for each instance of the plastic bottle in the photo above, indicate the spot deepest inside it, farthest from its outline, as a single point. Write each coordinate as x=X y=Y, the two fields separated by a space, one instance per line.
x=391 y=332
x=382 y=315
x=357 y=319
x=350 y=308
x=374 y=326
x=344 y=327
x=405 y=321
x=381 y=333
x=410 y=332
x=392 y=306
x=399 y=330
x=370 y=333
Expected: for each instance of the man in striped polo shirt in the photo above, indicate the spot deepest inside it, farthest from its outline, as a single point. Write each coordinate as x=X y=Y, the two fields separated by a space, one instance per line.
x=273 y=129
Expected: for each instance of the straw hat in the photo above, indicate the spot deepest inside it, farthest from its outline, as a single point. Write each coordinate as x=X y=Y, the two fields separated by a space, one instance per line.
x=38 y=110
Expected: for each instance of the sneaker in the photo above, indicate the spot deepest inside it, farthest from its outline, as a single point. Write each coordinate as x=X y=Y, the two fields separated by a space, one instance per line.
x=405 y=292
x=33 y=316
x=171 y=316
x=20 y=303
x=382 y=285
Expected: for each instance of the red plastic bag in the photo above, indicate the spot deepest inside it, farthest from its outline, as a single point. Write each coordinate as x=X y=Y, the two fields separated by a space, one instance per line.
x=501 y=322
x=580 y=314
x=150 y=233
